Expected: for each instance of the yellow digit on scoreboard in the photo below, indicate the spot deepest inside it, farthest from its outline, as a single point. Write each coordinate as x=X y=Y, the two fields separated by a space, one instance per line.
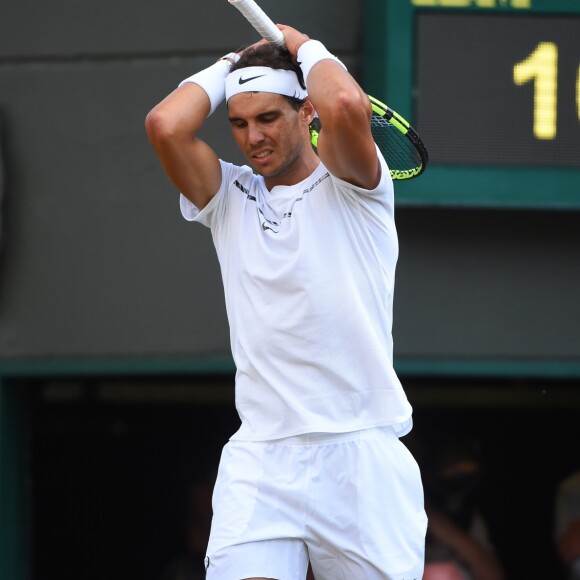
x=541 y=66
x=578 y=94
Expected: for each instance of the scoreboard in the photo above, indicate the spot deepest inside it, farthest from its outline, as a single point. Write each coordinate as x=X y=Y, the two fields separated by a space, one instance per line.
x=492 y=87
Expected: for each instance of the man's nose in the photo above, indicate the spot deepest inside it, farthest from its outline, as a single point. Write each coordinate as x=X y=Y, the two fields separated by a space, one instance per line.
x=255 y=134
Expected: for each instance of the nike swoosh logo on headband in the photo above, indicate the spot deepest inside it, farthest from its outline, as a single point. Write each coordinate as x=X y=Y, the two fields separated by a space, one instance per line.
x=241 y=81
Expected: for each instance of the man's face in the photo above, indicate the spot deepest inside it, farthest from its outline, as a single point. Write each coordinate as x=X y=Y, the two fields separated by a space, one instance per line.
x=271 y=134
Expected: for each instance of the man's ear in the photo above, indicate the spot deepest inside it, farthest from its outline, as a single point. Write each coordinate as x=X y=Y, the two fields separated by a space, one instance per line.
x=307 y=111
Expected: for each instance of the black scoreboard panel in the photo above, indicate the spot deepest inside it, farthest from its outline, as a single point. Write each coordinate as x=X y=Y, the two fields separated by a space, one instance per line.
x=493 y=87
x=499 y=89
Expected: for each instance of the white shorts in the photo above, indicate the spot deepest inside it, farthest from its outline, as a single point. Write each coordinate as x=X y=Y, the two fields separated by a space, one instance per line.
x=352 y=503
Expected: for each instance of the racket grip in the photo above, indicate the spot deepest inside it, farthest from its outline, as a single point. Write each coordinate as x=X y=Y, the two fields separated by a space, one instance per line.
x=259 y=20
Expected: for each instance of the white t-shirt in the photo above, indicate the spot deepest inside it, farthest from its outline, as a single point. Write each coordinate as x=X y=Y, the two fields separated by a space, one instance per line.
x=308 y=273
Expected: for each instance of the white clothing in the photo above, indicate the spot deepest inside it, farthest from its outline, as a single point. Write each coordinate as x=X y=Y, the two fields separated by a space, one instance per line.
x=352 y=503
x=308 y=273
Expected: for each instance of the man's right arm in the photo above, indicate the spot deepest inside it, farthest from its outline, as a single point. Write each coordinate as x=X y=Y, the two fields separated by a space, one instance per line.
x=172 y=127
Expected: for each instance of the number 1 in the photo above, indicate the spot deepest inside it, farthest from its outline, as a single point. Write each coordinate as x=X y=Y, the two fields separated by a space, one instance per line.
x=578 y=94
x=541 y=66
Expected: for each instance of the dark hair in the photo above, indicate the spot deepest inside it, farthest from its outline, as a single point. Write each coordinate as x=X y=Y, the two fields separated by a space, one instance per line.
x=274 y=57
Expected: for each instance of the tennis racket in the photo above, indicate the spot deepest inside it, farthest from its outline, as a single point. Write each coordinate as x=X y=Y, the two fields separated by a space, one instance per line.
x=400 y=144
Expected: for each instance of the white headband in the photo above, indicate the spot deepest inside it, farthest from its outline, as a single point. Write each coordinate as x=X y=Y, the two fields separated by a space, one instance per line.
x=264 y=79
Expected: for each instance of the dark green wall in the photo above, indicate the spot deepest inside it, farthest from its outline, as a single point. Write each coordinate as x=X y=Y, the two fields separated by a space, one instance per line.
x=495 y=284
x=96 y=260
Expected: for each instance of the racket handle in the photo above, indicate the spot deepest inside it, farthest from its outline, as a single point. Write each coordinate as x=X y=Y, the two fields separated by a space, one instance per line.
x=259 y=20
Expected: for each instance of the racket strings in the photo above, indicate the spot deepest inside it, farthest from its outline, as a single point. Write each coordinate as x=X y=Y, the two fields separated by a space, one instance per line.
x=397 y=148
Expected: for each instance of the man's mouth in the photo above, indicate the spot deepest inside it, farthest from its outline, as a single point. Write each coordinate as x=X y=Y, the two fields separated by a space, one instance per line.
x=263 y=154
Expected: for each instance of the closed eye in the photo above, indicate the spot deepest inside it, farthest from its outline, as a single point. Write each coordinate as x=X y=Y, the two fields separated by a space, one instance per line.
x=264 y=118
x=238 y=123
x=268 y=117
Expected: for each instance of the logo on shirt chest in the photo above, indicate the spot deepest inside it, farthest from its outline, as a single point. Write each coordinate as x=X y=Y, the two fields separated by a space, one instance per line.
x=268 y=220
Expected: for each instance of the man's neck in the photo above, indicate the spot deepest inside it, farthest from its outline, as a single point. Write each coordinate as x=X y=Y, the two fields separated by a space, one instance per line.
x=303 y=168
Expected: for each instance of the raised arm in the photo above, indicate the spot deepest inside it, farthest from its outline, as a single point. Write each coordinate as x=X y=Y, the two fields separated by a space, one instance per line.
x=345 y=143
x=173 y=125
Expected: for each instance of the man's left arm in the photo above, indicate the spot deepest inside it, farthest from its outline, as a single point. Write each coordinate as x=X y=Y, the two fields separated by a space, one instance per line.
x=345 y=144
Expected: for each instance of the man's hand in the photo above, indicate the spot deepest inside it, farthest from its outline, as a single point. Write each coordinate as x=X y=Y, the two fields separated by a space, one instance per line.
x=293 y=39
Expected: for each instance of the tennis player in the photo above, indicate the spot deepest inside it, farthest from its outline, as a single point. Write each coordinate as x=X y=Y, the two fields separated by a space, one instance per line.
x=307 y=248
